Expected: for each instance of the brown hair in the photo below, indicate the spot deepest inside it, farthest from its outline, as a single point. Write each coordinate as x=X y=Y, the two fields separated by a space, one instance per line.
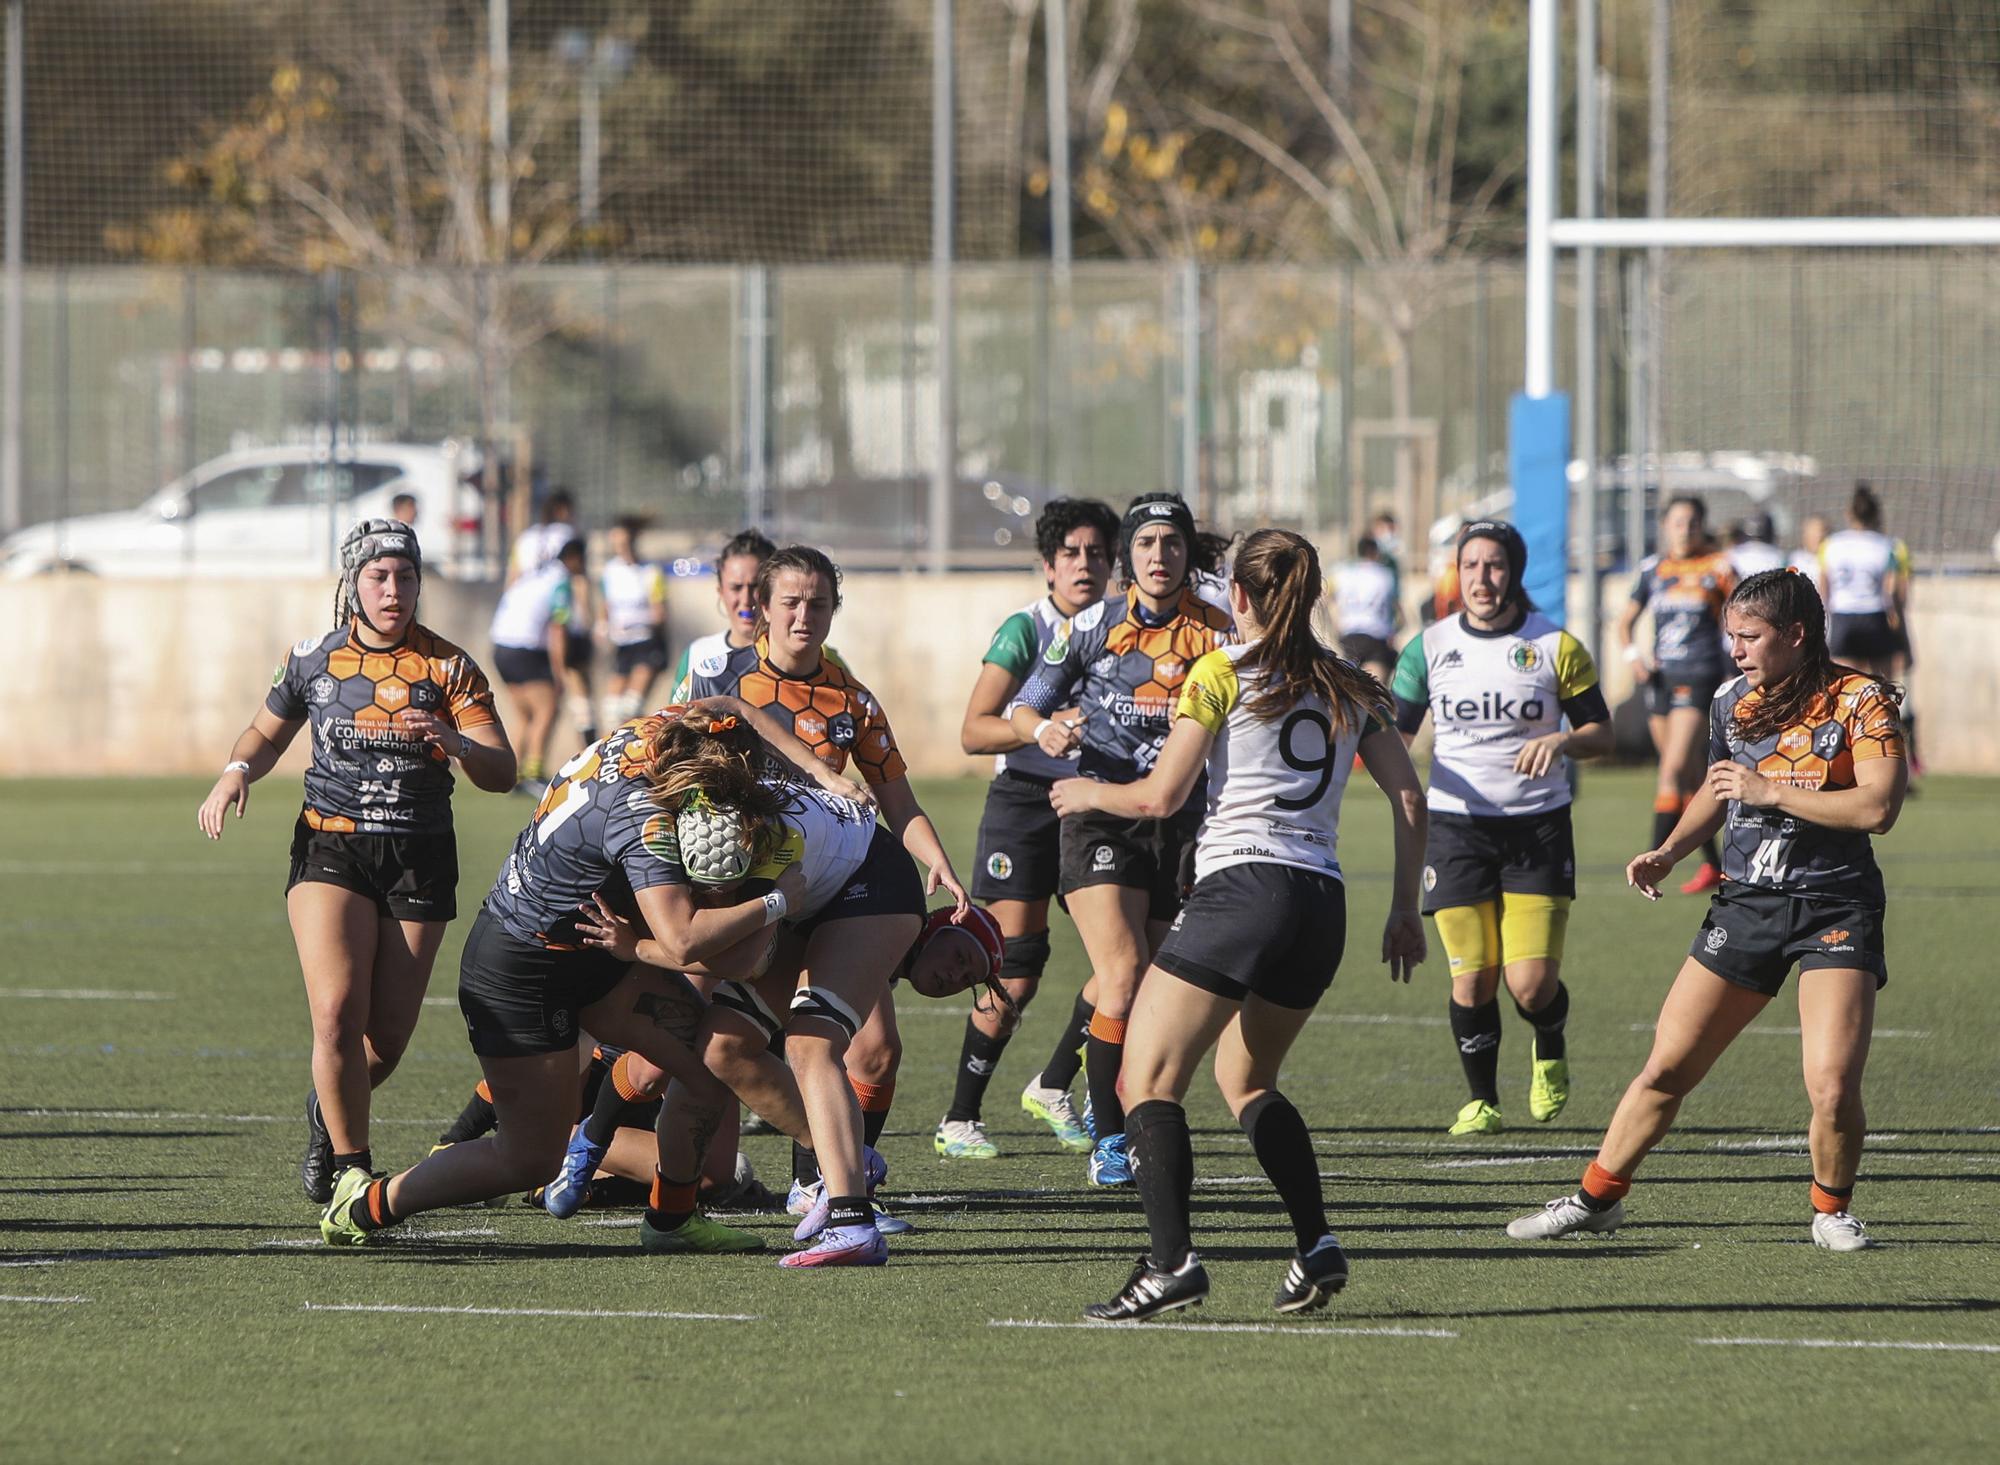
x=800 y=559
x=1279 y=571
x=1781 y=599
x=718 y=758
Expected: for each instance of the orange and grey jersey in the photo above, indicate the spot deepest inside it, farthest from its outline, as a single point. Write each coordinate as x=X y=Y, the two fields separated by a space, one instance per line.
x=1123 y=668
x=1851 y=722
x=1686 y=598
x=830 y=711
x=370 y=774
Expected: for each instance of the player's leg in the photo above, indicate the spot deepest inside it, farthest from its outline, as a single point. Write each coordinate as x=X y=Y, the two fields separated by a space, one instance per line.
x=1470 y=935
x=404 y=954
x=872 y=1061
x=535 y=703
x=1701 y=1017
x=990 y=1026
x=1532 y=932
x=1047 y=1095
x=1836 y=1019
x=1247 y=1060
x=1111 y=919
x=335 y=930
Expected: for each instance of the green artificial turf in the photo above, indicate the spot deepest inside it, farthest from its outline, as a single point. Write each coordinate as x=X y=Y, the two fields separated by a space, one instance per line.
x=148 y=1155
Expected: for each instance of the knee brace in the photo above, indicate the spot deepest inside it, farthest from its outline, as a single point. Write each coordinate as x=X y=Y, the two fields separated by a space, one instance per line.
x=741 y=998
x=818 y=1002
x=1026 y=956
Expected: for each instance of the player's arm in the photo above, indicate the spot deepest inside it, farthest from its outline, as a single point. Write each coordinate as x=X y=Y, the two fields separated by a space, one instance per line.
x=1386 y=756
x=902 y=813
x=684 y=934
x=781 y=740
x=1160 y=794
x=1044 y=694
x=1628 y=621
x=1589 y=734
x=257 y=750
x=1870 y=807
x=1410 y=689
x=986 y=728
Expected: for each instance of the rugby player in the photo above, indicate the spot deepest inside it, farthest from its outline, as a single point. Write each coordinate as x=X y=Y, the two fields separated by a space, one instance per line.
x=1684 y=587
x=1805 y=763
x=531 y=643
x=1122 y=664
x=1498 y=680
x=374 y=868
x=1019 y=849
x=1364 y=597
x=632 y=596
x=1277 y=722
x=736 y=593
x=1866 y=575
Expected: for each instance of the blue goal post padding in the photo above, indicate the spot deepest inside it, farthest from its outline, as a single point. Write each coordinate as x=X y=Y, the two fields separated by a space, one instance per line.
x=1538 y=465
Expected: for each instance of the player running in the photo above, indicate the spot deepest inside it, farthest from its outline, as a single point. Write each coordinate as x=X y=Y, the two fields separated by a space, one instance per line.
x=1364 y=597
x=628 y=821
x=374 y=869
x=736 y=570
x=1805 y=763
x=1684 y=588
x=632 y=596
x=1498 y=680
x=1019 y=850
x=1277 y=722
x=1122 y=877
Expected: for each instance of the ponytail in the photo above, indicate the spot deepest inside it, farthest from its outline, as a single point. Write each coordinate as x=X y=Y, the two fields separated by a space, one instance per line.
x=1279 y=571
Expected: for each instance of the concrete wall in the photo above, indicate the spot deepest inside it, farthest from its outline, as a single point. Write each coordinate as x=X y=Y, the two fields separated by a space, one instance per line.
x=154 y=677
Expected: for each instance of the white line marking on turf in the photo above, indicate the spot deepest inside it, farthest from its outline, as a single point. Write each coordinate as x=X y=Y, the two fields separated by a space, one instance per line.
x=1496 y=1160
x=588 y=1312
x=1847 y=1343
x=123 y=867
x=1380 y=1019
x=1307 y=1331
x=616 y=1222
x=47 y=1261
x=440 y=1002
x=167 y=1114
x=48 y=1301
x=85 y=994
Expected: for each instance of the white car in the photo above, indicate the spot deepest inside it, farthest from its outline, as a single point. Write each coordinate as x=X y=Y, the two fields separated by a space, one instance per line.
x=265 y=512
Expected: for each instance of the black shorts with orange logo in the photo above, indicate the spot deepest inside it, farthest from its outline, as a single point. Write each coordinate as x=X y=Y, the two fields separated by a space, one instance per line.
x=410 y=877
x=1671 y=690
x=1753 y=938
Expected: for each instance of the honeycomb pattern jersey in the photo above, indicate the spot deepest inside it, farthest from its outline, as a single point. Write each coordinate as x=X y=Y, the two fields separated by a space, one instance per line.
x=1125 y=671
x=369 y=775
x=1850 y=723
x=595 y=830
x=830 y=711
x=1686 y=596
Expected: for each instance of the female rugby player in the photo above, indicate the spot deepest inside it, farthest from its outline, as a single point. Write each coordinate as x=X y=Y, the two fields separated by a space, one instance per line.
x=1122 y=877
x=1497 y=680
x=632 y=600
x=1019 y=834
x=374 y=876
x=531 y=647
x=1805 y=763
x=618 y=818
x=1866 y=580
x=1277 y=723
x=1684 y=587
x=736 y=570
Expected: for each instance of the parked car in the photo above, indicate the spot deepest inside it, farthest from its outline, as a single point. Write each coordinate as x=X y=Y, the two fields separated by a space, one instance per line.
x=266 y=512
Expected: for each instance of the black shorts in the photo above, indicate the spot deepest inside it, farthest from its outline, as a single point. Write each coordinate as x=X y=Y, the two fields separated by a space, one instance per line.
x=1152 y=855
x=1671 y=690
x=519 y=665
x=578 y=650
x=1752 y=938
x=520 y=999
x=1863 y=637
x=886 y=884
x=410 y=877
x=1275 y=931
x=1020 y=841
x=1478 y=857
x=1364 y=650
x=650 y=654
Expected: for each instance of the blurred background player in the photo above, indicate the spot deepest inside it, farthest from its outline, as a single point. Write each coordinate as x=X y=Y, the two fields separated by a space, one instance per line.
x=1683 y=587
x=531 y=642
x=736 y=570
x=1364 y=597
x=374 y=869
x=1805 y=763
x=1866 y=575
x=632 y=617
x=1277 y=723
x=1498 y=680
x=1751 y=547
x=540 y=542
x=1019 y=851
x=1805 y=559
x=1122 y=879
x=403 y=509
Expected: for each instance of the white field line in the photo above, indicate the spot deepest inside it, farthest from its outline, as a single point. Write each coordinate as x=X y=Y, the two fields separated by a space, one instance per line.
x=1847 y=1343
x=152 y=1114
x=84 y=1256
x=307 y=1243
x=440 y=1002
x=301 y=1243
x=621 y=1223
x=1498 y=1160
x=1275 y=1328
x=84 y=994
x=1778 y=1032
x=1355 y=1019
x=46 y=1301
x=584 y=1312
x=49 y=1261
x=126 y=867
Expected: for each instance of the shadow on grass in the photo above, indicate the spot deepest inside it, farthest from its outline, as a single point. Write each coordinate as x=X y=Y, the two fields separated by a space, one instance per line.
x=21 y=1136
x=1920 y=1307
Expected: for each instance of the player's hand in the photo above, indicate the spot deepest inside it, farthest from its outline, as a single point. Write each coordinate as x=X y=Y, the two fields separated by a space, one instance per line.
x=1642 y=666
x=1403 y=944
x=791 y=884
x=1073 y=795
x=843 y=787
x=1646 y=872
x=232 y=788
x=944 y=875
x=1727 y=781
x=1063 y=736
x=431 y=729
x=603 y=928
x=1538 y=755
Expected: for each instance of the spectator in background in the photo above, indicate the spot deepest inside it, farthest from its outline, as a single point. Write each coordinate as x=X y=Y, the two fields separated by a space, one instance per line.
x=403 y=509
x=1751 y=551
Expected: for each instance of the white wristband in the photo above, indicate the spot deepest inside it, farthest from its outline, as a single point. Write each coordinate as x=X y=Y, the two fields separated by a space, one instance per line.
x=236 y=766
x=1040 y=728
x=774 y=907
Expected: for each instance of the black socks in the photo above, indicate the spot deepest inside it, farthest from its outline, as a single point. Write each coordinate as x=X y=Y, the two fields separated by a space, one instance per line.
x=978 y=1056
x=1284 y=1148
x=1477 y=1032
x=1163 y=1170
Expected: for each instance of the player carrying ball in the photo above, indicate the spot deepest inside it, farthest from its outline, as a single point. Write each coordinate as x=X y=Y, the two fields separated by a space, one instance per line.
x=1277 y=723
x=1806 y=761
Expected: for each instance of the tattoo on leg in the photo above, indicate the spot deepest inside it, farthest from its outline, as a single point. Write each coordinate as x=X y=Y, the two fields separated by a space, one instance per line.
x=677 y=1014
x=703 y=1121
